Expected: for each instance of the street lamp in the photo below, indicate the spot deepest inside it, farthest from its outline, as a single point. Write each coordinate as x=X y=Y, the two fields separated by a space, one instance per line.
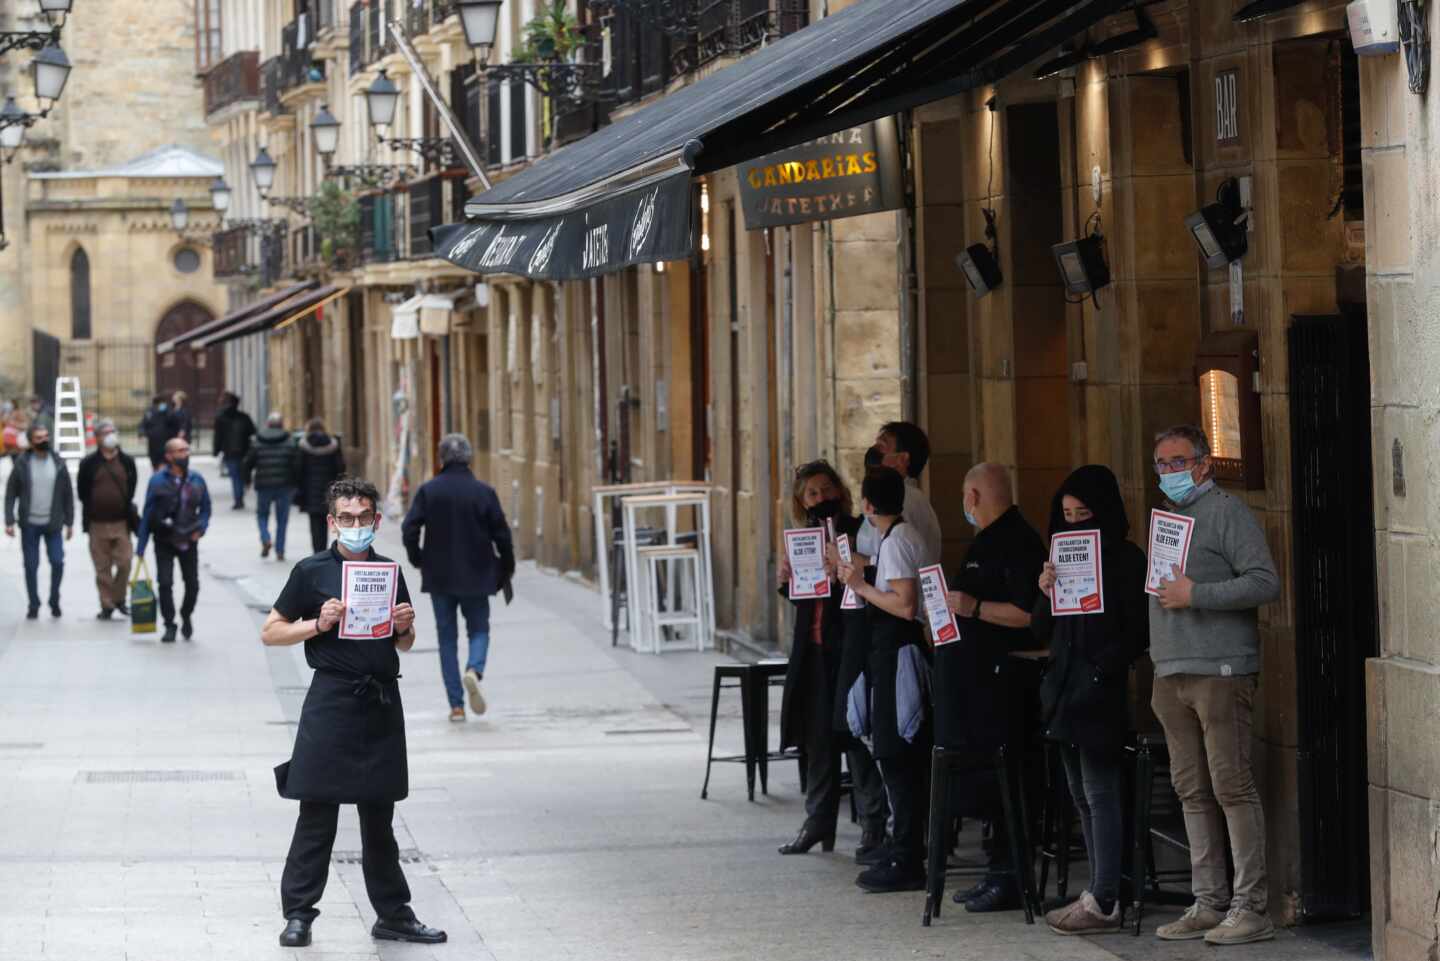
x=55 y=11
x=179 y=216
x=326 y=131
x=381 y=98
x=13 y=122
x=262 y=168
x=52 y=69
x=481 y=19
x=220 y=195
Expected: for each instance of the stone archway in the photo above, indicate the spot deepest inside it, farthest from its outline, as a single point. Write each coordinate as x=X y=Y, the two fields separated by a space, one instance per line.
x=199 y=373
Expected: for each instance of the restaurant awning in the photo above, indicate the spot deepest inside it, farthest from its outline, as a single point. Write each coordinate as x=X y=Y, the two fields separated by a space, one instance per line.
x=311 y=308
x=294 y=307
x=622 y=196
x=235 y=316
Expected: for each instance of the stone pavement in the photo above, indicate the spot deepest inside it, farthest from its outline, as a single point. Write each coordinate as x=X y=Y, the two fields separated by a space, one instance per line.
x=140 y=819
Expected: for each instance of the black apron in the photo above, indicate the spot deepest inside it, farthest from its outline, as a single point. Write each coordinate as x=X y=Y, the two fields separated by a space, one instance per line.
x=350 y=746
x=888 y=635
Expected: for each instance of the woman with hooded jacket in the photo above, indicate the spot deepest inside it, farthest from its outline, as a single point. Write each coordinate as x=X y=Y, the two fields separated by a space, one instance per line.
x=1084 y=695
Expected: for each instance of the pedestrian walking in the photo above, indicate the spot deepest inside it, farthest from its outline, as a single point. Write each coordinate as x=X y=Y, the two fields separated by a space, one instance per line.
x=39 y=486
x=1084 y=695
x=182 y=421
x=350 y=745
x=157 y=426
x=321 y=462
x=177 y=513
x=41 y=414
x=1205 y=642
x=233 y=432
x=466 y=558
x=272 y=467
x=105 y=483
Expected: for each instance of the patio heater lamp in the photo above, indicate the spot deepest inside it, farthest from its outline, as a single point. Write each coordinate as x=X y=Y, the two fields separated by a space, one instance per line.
x=1220 y=229
x=326 y=131
x=262 y=168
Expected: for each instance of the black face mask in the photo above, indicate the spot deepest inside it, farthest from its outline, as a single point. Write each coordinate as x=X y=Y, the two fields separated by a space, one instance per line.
x=41 y=448
x=825 y=510
x=183 y=463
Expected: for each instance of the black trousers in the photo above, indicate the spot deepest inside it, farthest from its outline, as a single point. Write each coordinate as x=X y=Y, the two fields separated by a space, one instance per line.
x=823 y=749
x=906 y=776
x=307 y=867
x=165 y=558
x=319 y=533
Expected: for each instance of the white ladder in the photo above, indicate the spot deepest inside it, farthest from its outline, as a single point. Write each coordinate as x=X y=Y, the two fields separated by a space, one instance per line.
x=69 y=419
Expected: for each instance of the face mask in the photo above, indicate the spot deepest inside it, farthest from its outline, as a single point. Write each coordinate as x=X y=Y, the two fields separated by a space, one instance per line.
x=164 y=408
x=970 y=518
x=110 y=442
x=41 y=446
x=1178 y=486
x=356 y=538
x=181 y=462
x=825 y=510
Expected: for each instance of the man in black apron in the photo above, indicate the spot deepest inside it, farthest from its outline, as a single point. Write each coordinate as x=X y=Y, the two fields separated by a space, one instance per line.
x=350 y=746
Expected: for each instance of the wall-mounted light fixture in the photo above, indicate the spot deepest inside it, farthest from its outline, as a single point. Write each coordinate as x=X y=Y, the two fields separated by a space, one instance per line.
x=980 y=263
x=1068 y=60
x=1220 y=229
x=1082 y=265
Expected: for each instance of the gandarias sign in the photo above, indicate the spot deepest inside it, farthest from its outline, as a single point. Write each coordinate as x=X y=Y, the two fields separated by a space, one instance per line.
x=851 y=172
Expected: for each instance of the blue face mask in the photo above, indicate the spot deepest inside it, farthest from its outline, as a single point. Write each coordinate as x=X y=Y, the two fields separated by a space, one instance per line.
x=1178 y=486
x=970 y=519
x=356 y=539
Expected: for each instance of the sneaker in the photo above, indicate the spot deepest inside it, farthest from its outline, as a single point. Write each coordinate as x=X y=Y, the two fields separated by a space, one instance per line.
x=264 y=548
x=55 y=610
x=280 y=557
x=187 y=630
x=124 y=611
x=472 y=687
x=999 y=895
x=1241 y=926
x=891 y=876
x=105 y=614
x=974 y=891
x=1193 y=924
x=457 y=715
x=1084 y=917
x=32 y=613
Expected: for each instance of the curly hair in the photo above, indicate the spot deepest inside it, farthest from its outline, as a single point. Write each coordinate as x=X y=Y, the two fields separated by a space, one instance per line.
x=347 y=485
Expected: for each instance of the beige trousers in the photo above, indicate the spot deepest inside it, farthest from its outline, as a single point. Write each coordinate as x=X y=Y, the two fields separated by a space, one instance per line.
x=112 y=552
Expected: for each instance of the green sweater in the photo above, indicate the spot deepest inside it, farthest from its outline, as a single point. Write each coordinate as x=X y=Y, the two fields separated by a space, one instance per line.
x=1230 y=563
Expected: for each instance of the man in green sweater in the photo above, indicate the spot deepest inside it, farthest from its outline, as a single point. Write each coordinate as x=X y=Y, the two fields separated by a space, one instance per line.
x=1205 y=642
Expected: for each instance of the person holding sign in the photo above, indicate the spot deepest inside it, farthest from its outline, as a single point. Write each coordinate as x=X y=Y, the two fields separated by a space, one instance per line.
x=979 y=700
x=1205 y=642
x=350 y=745
x=1083 y=696
x=822 y=667
x=896 y=679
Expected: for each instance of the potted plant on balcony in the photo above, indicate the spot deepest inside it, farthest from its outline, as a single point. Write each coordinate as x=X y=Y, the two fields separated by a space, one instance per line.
x=335 y=215
x=550 y=37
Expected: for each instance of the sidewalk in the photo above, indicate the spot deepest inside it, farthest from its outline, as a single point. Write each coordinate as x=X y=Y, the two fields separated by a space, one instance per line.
x=141 y=820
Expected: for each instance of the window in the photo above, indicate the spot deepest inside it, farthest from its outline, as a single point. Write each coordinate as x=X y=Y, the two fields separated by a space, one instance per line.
x=207 y=34
x=80 y=295
x=187 y=260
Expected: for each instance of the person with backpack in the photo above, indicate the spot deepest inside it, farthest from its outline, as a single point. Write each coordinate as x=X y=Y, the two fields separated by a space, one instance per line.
x=273 y=467
x=177 y=512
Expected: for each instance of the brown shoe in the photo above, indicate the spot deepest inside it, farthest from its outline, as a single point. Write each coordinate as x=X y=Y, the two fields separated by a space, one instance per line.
x=1241 y=926
x=1192 y=926
x=457 y=715
x=1085 y=917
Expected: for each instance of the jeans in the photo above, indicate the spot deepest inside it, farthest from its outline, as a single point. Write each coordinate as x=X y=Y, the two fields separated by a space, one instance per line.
x=30 y=537
x=280 y=497
x=1207 y=724
x=165 y=558
x=476 y=608
x=1094 y=778
x=237 y=477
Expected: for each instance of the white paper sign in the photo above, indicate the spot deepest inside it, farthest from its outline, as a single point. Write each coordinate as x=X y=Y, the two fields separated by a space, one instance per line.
x=805 y=547
x=933 y=593
x=1079 y=587
x=368 y=593
x=1169 y=546
x=851 y=601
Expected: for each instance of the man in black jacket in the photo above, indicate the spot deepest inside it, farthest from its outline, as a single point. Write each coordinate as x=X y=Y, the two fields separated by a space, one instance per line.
x=273 y=467
x=233 y=431
x=321 y=462
x=40 y=486
x=105 y=484
x=158 y=425
x=466 y=558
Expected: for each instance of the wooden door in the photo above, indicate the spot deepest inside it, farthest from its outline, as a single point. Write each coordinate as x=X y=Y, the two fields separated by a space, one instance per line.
x=199 y=373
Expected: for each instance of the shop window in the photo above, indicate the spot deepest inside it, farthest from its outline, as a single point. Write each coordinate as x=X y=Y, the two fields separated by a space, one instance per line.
x=80 y=295
x=1226 y=369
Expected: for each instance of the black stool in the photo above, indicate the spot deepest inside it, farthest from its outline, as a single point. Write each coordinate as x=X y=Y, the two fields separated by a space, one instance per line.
x=753 y=682
x=1057 y=826
x=1008 y=764
x=1152 y=771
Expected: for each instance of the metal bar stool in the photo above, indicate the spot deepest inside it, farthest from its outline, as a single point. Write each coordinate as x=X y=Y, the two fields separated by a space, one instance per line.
x=1058 y=842
x=753 y=681
x=1152 y=771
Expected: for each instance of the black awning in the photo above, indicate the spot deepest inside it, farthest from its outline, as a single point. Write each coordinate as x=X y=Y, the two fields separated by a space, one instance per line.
x=235 y=316
x=256 y=323
x=871 y=60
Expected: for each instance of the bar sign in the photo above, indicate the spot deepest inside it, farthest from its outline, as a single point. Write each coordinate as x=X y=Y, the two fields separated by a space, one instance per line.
x=1227 y=108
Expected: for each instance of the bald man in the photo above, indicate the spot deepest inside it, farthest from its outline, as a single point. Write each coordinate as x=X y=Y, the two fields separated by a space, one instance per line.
x=177 y=512
x=974 y=708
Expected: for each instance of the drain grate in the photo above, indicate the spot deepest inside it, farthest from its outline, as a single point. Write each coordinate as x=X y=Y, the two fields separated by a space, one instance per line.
x=158 y=777
x=21 y=745
x=650 y=730
x=407 y=856
x=292 y=689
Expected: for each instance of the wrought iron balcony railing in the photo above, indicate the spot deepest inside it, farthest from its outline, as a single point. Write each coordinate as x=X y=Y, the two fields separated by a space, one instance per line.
x=232 y=80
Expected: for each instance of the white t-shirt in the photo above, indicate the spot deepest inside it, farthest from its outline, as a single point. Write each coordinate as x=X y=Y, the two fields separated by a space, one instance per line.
x=919 y=516
x=900 y=557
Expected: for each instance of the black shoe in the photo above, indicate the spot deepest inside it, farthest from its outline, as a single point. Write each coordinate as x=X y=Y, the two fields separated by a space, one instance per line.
x=893 y=875
x=105 y=614
x=239 y=506
x=876 y=855
x=169 y=637
x=296 y=934
x=55 y=610
x=411 y=930
x=265 y=549
x=187 y=630
x=870 y=844
x=124 y=611
x=971 y=892
x=32 y=613
x=808 y=837
x=997 y=896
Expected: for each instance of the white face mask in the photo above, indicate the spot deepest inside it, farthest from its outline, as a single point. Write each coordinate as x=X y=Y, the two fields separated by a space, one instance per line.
x=110 y=441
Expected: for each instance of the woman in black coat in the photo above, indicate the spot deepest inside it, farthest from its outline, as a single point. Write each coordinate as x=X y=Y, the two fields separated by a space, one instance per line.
x=812 y=715
x=321 y=461
x=1084 y=693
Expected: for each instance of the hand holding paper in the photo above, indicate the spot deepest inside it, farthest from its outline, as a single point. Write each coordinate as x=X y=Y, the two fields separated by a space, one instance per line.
x=1176 y=591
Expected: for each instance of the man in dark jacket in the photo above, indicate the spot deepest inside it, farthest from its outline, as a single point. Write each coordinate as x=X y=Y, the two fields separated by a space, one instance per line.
x=273 y=467
x=158 y=425
x=105 y=484
x=40 y=486
x=466 y=558
x=177 y=512
x=233 y=431
x=321 y=461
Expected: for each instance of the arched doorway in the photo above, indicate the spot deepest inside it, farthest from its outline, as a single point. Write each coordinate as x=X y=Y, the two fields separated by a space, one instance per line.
x=199 y=373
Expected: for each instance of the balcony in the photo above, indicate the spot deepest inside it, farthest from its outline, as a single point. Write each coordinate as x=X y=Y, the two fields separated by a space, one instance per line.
x=232 y=80
x=298 y=66
x=245 y=251
x=272 y=74
x=380 y=228
x=368 y=39
x=427 y=209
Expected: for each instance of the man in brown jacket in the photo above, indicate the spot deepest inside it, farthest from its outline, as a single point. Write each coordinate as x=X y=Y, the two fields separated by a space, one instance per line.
x=105 y=484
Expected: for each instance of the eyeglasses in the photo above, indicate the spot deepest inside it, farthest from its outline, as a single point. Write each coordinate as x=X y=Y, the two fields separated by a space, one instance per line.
x=366 y=519
x=1175 y=464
